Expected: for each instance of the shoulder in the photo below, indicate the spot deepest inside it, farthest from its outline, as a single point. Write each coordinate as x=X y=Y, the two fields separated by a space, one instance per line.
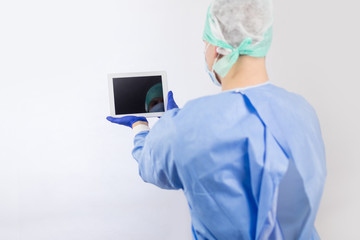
x=282 y=109
x=294 y=102
x=209 y=113
x=278 y=97
x=217 y=116
x=216 y=104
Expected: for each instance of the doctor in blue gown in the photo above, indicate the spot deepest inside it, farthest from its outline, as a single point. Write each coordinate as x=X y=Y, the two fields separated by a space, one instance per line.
x=250 y=160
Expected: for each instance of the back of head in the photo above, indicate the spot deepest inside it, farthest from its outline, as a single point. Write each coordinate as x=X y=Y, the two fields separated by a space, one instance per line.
x=240 y=19
x=239 y=27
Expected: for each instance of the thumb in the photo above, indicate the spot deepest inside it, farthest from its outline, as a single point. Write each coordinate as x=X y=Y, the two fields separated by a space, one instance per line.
x=171 y=102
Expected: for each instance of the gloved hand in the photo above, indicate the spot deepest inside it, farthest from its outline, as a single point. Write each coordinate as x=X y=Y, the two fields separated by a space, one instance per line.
x=130 y=120
x=171 y=102
x=126 y=121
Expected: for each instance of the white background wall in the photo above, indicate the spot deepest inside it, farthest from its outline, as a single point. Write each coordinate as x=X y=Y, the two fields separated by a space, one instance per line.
x=66 y=173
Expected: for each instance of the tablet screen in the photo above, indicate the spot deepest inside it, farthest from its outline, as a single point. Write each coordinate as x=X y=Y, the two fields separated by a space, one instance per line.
x=138 y=95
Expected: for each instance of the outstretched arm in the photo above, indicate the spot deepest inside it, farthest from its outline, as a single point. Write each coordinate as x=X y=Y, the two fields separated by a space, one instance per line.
x=153 y=150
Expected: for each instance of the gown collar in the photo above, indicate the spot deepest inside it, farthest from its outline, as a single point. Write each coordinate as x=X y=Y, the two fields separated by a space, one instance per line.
x=244 y=88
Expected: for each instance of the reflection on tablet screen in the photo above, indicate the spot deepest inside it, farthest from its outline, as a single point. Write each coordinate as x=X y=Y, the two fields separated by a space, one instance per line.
x=138 y=95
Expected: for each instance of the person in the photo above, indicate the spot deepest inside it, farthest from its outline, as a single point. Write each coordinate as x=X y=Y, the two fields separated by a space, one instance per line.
x=251 y=159
x=154 y=101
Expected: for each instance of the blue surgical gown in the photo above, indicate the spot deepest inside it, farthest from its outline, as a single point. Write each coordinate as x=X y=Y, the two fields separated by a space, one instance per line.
x=251 y=163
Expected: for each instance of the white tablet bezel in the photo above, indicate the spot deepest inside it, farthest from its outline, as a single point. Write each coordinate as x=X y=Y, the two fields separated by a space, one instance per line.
x=111 y=78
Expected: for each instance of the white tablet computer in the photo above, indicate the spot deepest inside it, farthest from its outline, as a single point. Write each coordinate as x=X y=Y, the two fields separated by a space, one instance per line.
x=138 y=94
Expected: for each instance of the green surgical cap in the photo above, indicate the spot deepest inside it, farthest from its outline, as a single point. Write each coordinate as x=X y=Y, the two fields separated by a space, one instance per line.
x=154 y=92
x=238 y=27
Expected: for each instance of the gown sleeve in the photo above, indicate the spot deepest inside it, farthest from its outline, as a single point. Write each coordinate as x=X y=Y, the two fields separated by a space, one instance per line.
x=154 y=152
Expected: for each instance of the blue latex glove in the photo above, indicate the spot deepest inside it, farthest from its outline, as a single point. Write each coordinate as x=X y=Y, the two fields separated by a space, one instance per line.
x=126 y=121
x=171 y=102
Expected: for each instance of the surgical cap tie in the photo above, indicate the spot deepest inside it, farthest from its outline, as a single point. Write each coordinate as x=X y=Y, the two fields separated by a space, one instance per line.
x=223 y=66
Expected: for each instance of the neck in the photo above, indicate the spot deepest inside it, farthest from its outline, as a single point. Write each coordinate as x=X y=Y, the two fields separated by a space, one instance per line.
x=247 y=71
